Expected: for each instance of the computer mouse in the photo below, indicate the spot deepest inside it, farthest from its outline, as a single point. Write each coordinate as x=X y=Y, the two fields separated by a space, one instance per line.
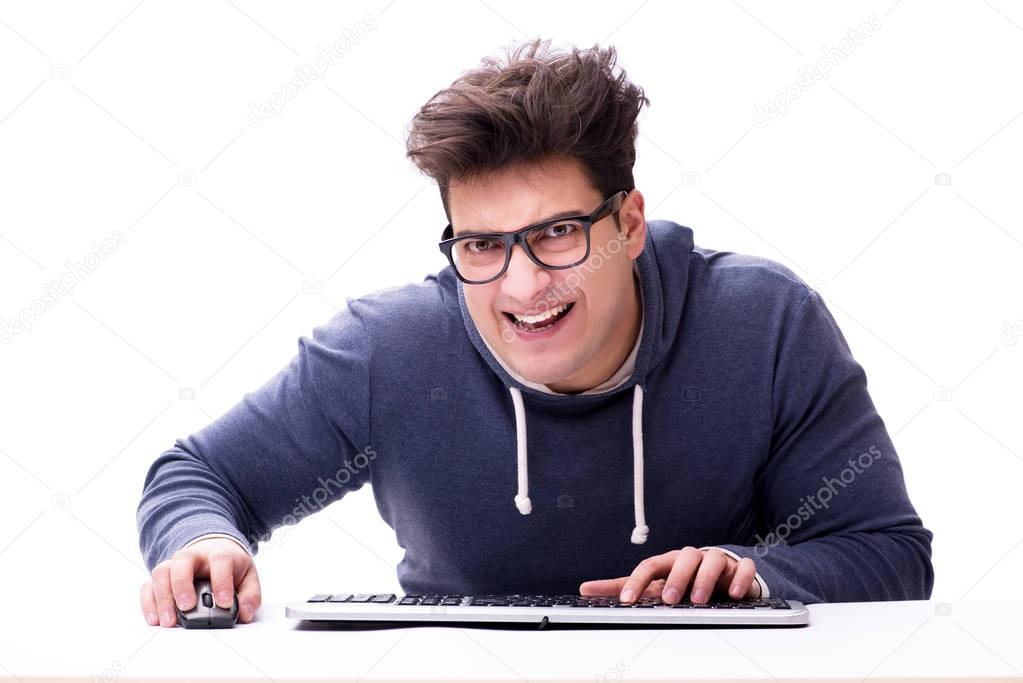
x=206 y=614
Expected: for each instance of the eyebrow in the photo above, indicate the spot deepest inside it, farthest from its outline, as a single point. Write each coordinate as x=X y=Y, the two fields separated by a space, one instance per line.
x=552 y=217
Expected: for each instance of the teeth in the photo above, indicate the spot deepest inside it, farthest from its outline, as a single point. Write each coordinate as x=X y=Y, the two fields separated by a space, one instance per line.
x=534 y=319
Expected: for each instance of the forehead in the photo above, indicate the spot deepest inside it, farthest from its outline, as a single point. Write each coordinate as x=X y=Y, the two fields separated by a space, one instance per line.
x=507 y=199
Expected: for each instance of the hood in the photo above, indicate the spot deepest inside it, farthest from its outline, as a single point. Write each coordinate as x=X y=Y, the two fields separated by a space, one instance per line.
x=663 y=268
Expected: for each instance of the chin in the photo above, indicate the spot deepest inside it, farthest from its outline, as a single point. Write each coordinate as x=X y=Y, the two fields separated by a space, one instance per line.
x=542 y=371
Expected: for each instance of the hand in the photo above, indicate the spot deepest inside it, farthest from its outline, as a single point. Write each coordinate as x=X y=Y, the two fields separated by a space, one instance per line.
x=229 y=567
x=667 y=576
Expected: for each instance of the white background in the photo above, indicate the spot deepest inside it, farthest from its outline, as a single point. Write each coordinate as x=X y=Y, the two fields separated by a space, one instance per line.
x=891 y=187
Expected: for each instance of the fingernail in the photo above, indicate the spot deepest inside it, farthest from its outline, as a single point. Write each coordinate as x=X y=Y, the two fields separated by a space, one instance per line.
x=699 y=595
x=245 y=612
x=183 y=599
x=152 y=619
x=166 y=619
x=671 y=595
x=736 y=591
x=627 y=595
x=224 y=599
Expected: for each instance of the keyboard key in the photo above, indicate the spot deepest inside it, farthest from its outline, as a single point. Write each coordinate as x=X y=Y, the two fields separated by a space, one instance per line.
x=362 y=597
x=409 y=600
x=340 y=597
x=383 y=597
x=319 y=597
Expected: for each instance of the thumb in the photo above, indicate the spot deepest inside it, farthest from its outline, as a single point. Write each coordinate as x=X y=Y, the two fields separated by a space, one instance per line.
x=250 y=595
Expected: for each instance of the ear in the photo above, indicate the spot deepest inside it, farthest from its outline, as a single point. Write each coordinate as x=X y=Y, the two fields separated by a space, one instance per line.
x=633 y=223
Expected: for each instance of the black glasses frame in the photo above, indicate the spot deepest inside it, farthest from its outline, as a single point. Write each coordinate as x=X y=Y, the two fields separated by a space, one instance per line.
x=609 y=206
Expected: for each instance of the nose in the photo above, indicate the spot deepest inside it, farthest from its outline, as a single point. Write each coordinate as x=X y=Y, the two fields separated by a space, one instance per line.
x=524 y=280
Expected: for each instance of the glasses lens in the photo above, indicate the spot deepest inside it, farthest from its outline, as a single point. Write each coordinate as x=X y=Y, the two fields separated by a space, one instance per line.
x=560 y=244
x=478 y=258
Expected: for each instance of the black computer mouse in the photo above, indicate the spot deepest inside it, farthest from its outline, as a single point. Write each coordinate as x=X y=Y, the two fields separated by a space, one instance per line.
x=206 y=614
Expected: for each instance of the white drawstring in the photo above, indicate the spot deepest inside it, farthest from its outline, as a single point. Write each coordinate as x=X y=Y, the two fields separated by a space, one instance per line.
x=522 y=501
x=639 y=534
x=525 y=506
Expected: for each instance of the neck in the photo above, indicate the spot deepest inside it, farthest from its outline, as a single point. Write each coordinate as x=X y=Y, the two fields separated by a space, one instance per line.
x=606 y=364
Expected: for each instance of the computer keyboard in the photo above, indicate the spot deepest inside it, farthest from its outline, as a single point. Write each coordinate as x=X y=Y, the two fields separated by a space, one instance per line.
x=544 y=609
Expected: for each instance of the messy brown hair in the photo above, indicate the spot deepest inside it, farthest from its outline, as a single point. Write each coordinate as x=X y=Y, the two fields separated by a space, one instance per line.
x=537 y=103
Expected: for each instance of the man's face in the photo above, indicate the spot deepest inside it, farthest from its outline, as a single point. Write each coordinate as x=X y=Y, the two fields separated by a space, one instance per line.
x=586 y=344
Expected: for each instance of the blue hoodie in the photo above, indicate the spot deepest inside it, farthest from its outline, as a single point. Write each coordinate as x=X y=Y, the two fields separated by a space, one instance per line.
x=746 y=424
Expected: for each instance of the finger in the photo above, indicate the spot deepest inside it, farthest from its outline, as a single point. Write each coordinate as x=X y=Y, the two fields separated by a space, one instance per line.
x=613 y=587
x=163 y=594
x=681 y=574
x=222 y=578
x=743 y=580
x=603 y=586
x=714 y=562
x=182 y=579
x=250 y=596
x=651 y=568
x=148 y=601
x=655 y=589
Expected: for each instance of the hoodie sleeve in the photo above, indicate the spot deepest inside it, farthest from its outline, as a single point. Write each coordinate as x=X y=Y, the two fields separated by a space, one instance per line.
x=286 y=450
x=836 y=523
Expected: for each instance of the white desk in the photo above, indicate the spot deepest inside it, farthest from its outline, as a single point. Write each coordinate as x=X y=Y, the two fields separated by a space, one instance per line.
x=903 y=640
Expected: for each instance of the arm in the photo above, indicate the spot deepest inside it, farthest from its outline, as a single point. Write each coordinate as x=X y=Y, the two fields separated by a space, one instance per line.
x=836 y=523
x=286 y=450
x=244 y=546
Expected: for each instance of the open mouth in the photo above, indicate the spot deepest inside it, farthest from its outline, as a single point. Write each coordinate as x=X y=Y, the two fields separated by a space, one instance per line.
x=542 y=321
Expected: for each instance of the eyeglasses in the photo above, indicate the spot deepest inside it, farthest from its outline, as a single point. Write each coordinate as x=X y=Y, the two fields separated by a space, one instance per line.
x=482 y=257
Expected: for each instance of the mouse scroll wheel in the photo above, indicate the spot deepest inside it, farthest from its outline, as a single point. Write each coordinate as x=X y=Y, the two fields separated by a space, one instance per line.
x=207 y=600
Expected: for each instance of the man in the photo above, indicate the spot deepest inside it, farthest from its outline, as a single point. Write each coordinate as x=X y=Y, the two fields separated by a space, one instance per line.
x=582 y=400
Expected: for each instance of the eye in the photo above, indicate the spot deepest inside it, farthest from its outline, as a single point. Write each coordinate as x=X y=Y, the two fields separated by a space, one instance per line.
x=480 y=246
x=560 y=230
